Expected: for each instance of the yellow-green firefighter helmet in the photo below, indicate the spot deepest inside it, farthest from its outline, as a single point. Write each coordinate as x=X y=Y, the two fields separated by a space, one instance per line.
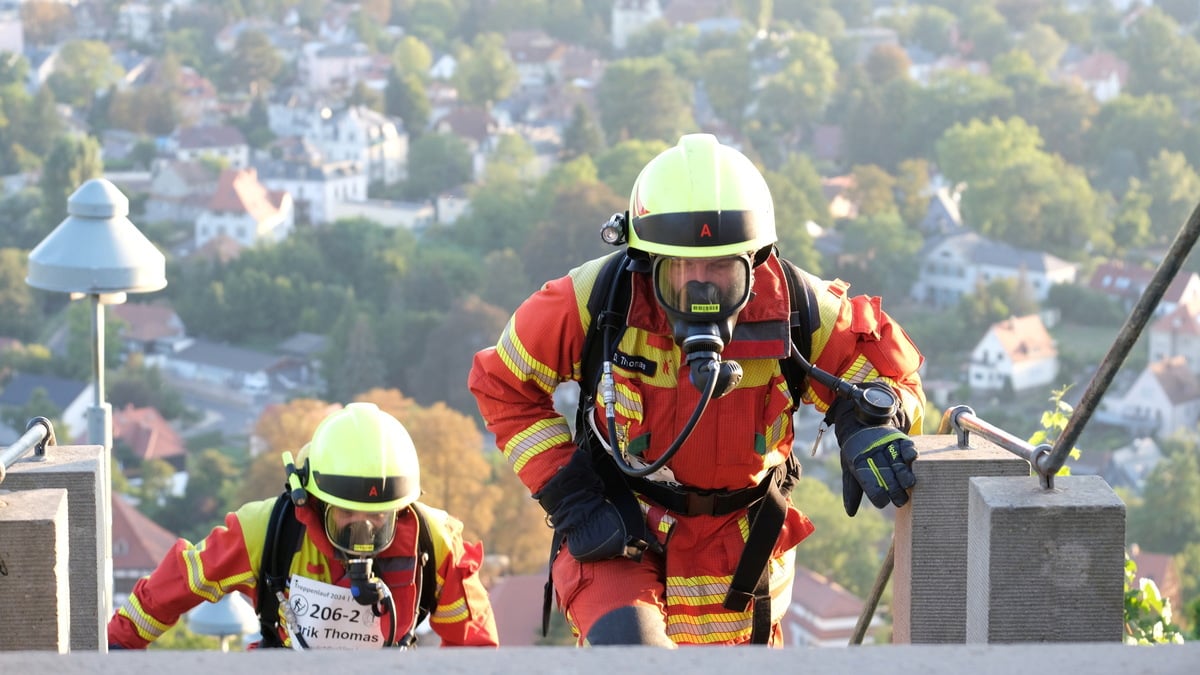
x=700 y=199
x=362 y=459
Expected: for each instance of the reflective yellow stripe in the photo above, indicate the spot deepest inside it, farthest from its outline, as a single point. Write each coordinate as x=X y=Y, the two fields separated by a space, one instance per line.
x=540 y=436
x=452 y=613
x=148 y=627
x=875 y=471
x=520 y=363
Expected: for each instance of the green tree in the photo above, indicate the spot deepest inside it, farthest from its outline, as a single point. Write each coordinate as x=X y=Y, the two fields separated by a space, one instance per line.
x=582 y=135
x=873 y=190
x=1128 y=132
x=360 y=367
x=485 y=73
x=38 y=405
x=644 y=99
x=80 y=343
x=912 y=190
x=20 y=314
x=1168 y=519
x=71 y=163
x=570 y=233
x=444 y=161
x=404 y=97
x=727 y=81
x=468 y=327
x=794 y=99
x=1172 y=185
x=619 y=166
x=84 y=67
x=411 y=56
x=845 y=551
x=253 y=64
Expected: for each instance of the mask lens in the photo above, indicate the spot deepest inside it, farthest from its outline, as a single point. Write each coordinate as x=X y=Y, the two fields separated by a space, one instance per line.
x=359 y=533
x=703 y=289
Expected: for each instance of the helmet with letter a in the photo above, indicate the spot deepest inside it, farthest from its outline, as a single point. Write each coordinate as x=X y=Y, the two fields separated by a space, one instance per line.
x=362 y=466
x=703 y=214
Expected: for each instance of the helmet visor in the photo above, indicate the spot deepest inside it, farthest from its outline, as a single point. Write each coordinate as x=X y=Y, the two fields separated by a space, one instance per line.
x=702 y=289
x=359 y=533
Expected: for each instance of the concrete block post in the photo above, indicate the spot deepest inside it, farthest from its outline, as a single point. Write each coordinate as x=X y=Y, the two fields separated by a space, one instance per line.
x=1045 y=565
x=78 y=470
x=929 y=582
x=35 y=601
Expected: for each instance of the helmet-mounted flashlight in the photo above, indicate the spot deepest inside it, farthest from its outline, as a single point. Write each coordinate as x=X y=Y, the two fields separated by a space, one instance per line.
x=613 y=231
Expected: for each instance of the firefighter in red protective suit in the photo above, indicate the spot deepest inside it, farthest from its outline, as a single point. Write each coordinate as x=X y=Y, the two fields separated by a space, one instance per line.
x=695 y=410
x=352 y=575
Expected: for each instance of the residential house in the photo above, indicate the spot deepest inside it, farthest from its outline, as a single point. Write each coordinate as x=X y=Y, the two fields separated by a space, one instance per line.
x=630 y=17
x=1177 y=334
x=1131 y=465
x=1102 y=73
x=179 y=190
x=477 y=127
x=333 y=67
x=138 y=544
x=822 y=613
x=943 y=216
x=386 y=212
x=866 y=39
x=359 y=134
x=1015 y=354
x=71 y=397
x=244 y=209
x=146 y=435
x=139 y=22
x=837 y=196
x=12 y=33
x=1126 y=283
x=336 y=23
x=220 y=367
x=537 y=56
x=148 y=328
x=197 y=96
x=315 y=186
x=220 y=142
x=1163 y=399
x=300 y=365
x=956 y=264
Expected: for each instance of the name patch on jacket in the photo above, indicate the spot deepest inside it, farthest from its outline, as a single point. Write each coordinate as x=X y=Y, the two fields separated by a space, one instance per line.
x=637 y=363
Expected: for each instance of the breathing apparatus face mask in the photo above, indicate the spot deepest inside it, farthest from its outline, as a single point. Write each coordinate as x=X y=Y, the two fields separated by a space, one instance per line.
x=359 y=534
x=702 y=298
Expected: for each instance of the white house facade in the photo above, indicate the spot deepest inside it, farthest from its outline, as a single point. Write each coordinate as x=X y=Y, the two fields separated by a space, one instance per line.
x=954 y=265
x=1015 y=354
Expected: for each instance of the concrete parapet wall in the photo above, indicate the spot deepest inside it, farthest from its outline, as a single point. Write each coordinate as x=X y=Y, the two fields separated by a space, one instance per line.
x=76 y=469
x=1093 y=659
x=929 y=587
x=35 y=605
x=1045 y=565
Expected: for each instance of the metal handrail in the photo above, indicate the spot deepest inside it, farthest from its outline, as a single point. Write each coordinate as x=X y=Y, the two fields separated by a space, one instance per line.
x=39 y=433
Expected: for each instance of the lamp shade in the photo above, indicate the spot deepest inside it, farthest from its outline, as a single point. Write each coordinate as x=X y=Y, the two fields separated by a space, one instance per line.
x=96 y=249
x=231 y=615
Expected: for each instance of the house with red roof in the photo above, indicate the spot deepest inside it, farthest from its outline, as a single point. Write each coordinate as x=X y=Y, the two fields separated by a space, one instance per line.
x=245 y=210
x=1015 y=354
x=148 y=328
x=1126 y=283
x=138 y=544
x=823 y=613
x=147 y=435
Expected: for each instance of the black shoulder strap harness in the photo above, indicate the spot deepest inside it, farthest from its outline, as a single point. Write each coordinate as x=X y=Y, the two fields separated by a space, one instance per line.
x=608 y=305
x=284 y=536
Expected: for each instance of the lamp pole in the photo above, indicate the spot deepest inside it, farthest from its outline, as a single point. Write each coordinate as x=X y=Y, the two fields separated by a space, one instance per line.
x=97 y=253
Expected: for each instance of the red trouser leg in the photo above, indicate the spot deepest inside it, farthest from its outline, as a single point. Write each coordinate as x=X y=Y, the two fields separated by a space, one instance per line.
x=588 y=591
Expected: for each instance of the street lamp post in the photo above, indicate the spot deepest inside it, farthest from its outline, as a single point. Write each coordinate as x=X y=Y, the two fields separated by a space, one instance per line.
x=96 y=252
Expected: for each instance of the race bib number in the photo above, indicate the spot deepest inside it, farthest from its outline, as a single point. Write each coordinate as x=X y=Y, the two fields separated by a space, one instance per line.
x=328 y=617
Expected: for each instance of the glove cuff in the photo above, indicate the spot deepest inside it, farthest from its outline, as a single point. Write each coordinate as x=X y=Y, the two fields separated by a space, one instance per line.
x=576 y=481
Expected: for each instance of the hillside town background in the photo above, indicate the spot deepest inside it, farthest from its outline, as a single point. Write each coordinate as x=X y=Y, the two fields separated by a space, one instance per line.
x=354 y=196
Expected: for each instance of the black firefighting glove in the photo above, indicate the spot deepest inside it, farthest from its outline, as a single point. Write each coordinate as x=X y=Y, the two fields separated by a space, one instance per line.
x=876 y=460
x=575 y=503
